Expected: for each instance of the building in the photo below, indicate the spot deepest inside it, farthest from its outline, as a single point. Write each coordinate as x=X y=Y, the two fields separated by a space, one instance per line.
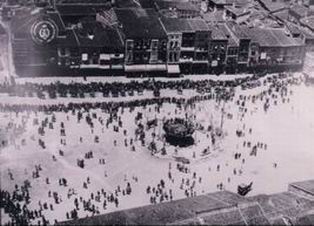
x=73 y=11
x=140 y=42
x=308 y=22
x=281 y=16
x=145 y=41
x=308 y=39
x=214 y=17
x=294 y=207
x=232 y=53
x=200 y=4
x=273 y=50
x=237 y=14
x=219 y=4
x=188 y=44
x=218 y=49
x=39 y=39
x=177 y=9
x=43 y=46
x=273 y=6
x=174 y=28
x=201 y=45
x=244 y=40
x=303 y=188
x=297 y=12
x=101 y=49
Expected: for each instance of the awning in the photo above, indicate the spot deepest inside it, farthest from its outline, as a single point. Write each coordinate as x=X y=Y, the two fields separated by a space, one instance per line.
x=173 y=69
x=145 y=67
x=104 y=66
x=116 y=66
x=156 y=67
x=135 y=68
x=116 y=55
x=103 y=56
x=186 y=60
x=88 y=66
x=94 y=66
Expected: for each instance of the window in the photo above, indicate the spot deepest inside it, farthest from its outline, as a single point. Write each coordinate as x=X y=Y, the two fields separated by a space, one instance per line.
x=171 y=44
x=129 y=44
x=62 y=51
x=154 y=44
x=145 y=44
x=84 y=56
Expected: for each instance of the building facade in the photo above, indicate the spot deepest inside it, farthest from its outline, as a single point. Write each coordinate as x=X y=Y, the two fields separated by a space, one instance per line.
x=140 y=42
x=145 y=41
x=218 y=50
x=272 y=50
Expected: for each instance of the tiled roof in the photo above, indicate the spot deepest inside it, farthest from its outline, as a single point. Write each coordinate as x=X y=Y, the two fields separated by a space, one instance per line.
x=21 y=23
x=125 y=3
x=215 y=16
x=299 y=10
x=147 y=3
x=305 y=220
x=293 y=28
x=219 y=208
x=308 y=21
x=242 y=3
x=93 y=34
x=139 y=23
x=223 y=2
x=218 y=34
x=232 y=40
x=307 y=34
x=283 y=15
x=176 y=25
x=307 y=186
x=181 y=5
x=272 y=38
x=242 y=32
x=74 y=10
x=70 y=39
x=21 y=26
x=238 y=11
x=22 y=18
x=274 y=5
x=198 y=25
x=184 y=25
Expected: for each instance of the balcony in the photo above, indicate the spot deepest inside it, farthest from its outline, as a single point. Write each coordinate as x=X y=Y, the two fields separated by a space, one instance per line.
x=116 y=56
x=94 y=66
x=186 y=60
x=187 y=48
x=200 y=62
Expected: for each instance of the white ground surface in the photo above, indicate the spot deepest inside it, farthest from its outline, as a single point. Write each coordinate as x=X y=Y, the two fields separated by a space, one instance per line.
x=287 y=129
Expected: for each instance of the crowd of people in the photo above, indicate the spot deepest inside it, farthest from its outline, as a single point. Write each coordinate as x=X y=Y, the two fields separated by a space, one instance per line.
x=43 y=117
x=116 y=89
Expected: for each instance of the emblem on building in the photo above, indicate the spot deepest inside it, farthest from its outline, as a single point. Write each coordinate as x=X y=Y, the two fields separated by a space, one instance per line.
x=43 y=31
